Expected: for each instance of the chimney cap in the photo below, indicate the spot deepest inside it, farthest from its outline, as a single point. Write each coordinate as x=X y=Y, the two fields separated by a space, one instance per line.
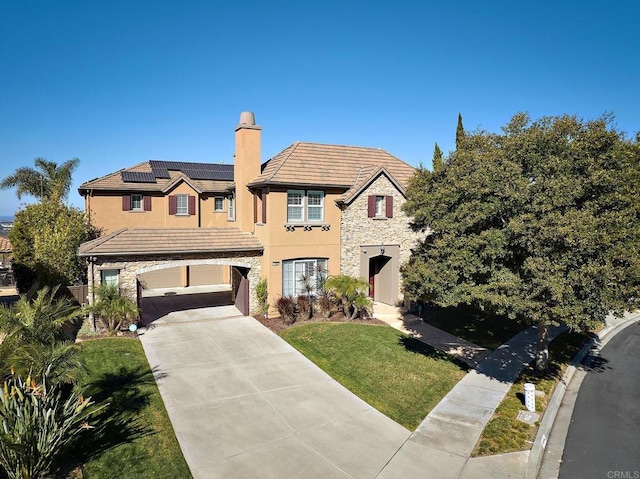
x=247 y=121
x=247 y=118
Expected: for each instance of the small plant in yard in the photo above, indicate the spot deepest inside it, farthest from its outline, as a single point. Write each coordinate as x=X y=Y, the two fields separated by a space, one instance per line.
x=262 y=294
x=38 y=425
x=351 y=294
x=113 y=309
x=304 y=305
x=286 y=306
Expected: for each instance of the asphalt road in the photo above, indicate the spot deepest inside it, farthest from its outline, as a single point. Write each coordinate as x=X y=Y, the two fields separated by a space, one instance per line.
x=604 y=436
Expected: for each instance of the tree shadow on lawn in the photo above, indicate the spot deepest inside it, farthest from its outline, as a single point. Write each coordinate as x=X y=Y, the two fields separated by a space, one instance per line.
x=472 y=324
x=416 y=346
x=119 y=398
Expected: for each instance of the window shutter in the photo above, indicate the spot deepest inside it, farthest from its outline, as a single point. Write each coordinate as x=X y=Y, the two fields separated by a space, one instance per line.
x=146 y=200
x=389 y=206
x=173 y=205
x=371 y=211
x=264 y=205
x=192 y=205
x=126 y=202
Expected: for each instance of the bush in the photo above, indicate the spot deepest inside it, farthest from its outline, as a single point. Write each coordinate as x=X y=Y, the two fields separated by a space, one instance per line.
x=37 y=426
x=287 y=309
x=304 y=305
x=262 y=294
x=113 y=309
x=351 y=294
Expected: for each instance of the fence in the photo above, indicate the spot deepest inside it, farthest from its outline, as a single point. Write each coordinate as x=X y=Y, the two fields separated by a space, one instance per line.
x=80 y=293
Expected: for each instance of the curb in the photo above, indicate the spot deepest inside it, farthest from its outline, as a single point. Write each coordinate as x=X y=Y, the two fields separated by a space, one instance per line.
x=540 y=442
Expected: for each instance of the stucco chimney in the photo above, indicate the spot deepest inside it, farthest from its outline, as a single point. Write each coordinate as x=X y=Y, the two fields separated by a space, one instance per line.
x=246 y=167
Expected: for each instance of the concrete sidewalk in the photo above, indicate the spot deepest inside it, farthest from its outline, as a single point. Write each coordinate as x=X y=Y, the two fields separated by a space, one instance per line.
x=442 y=444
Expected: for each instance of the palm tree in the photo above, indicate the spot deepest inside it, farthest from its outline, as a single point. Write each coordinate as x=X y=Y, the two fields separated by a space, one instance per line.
x=113 y=308
x=350 y=292
x=47 y=182
x=34 y=338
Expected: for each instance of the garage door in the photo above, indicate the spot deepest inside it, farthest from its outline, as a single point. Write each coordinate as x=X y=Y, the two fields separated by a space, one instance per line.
x=162 y=278
x=204 y=274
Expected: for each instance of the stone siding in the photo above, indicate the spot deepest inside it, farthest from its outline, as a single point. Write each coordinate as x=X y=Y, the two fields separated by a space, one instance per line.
x=357 y=229
x=130 y=267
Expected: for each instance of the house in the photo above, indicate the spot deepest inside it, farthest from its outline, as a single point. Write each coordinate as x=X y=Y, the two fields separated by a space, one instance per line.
x=313 y=209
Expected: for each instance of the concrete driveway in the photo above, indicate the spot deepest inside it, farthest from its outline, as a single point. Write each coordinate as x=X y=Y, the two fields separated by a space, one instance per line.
x=245 y=404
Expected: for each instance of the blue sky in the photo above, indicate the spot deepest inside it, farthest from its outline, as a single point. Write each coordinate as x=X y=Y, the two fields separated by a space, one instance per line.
x=120 y=82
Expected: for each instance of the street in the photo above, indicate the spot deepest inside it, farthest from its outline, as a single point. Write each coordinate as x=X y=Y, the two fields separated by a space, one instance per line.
x=604 y=436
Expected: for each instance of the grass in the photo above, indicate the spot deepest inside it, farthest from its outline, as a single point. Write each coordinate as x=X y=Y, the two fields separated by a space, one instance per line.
x=504 y=433
x=400 y=376
x=133 y=435
x=479 y=327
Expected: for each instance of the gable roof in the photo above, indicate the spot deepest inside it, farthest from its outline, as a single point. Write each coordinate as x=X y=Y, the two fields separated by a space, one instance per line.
x=316 y=164
x=156 y=175
x=366 y=176
x=127 y=242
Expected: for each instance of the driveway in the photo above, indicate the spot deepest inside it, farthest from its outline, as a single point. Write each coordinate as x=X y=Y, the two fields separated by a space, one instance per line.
x=245 y=404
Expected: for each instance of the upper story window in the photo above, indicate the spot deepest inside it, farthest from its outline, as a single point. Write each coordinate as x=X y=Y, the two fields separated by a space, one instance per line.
x=136 y=202
x=305 y=206
x=182 y=205
x=218 y=203
x=231 y=212
x=380 y=206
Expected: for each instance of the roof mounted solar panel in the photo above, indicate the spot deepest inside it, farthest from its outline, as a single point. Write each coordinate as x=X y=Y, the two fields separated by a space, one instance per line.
x=195 y=171
x=137 y=177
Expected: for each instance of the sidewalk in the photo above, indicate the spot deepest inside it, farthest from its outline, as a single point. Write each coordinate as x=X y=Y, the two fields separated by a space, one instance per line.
x=442 y=444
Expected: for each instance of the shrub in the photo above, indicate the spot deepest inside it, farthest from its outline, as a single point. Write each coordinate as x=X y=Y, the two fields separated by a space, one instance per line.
x=262 y=294
x=351 y=294
x=113 y=309
x=287 y=309
x=305 y=308
x=37 y=426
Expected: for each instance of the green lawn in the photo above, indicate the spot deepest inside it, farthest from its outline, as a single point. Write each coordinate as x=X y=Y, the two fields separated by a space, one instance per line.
x=479 y=327
x=133 y=435
x=400 y=376
x=504 y=433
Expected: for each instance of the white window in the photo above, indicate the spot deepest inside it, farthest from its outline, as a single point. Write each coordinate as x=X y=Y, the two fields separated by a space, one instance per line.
x=295 y=206
x=136 y=202
x=303 y=276
x=109 y=277
x=182 y=204
x=231 y=214
x=305 y=206
x=315 y=205
x=218 y=203
x=380 y=206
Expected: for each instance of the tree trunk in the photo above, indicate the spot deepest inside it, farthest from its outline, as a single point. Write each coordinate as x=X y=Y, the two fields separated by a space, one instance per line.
x=542 y=353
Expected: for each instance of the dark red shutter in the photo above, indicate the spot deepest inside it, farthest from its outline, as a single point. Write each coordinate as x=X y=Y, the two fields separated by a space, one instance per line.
x=146 y=200
x=173 y=205
x=126 y=202
x=389 y=206
x=192 y=205
x=264 y=205
x=372 y=206
x=255 y=207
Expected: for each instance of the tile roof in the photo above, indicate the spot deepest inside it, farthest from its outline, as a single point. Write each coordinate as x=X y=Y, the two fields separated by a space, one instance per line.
x=128 y=242
x=5 y=245
x=156 y=175
x=366 y=176
x=330 y=166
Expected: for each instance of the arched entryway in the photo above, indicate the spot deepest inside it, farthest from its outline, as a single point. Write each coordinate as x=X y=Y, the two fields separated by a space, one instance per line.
x=379 y=265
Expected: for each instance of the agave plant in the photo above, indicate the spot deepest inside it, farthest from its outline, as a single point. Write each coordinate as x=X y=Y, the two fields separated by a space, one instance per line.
x=37 y=426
